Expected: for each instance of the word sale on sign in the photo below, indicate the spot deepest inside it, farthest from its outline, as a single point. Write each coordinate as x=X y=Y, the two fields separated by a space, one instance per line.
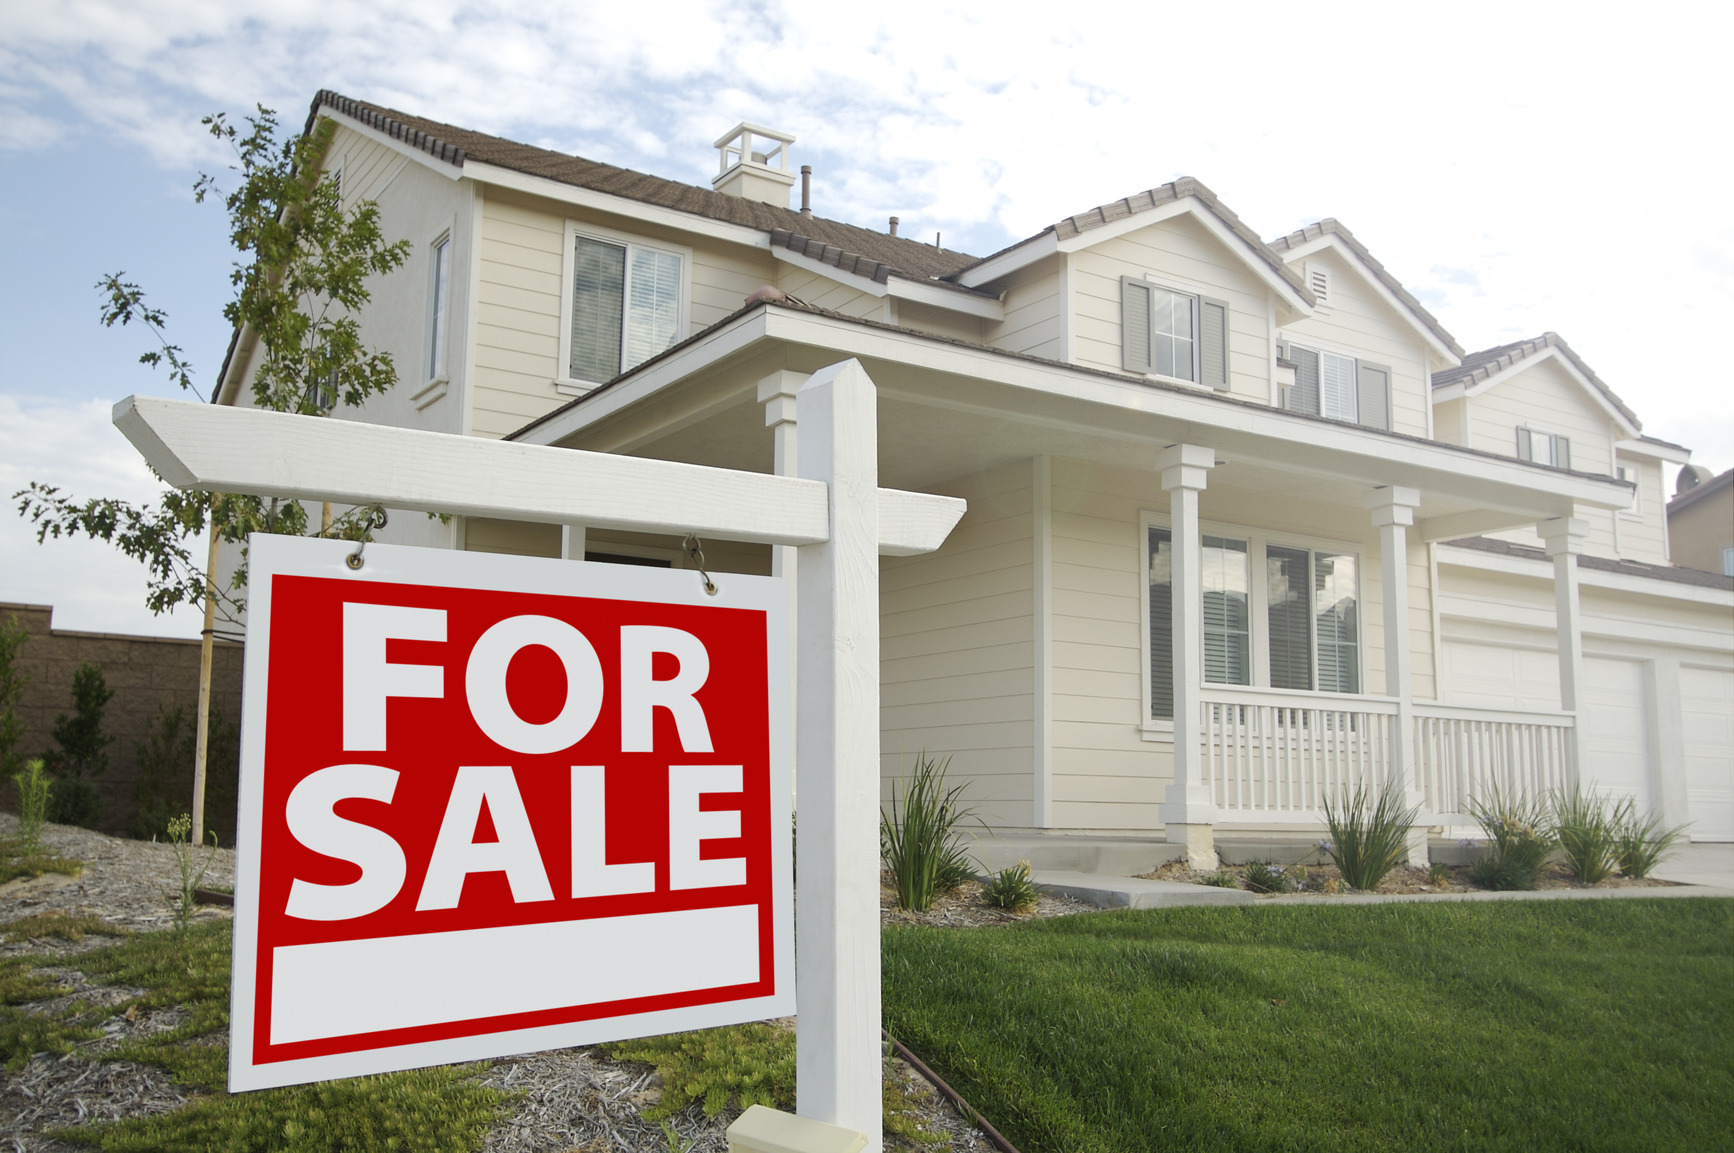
x=492 y=804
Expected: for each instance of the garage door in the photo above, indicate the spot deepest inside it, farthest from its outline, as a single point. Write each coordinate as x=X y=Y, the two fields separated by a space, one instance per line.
x=1612 y=741
x=1707 y=710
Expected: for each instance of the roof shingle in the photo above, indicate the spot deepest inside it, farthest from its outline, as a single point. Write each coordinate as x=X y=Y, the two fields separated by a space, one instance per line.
x=1489 y=362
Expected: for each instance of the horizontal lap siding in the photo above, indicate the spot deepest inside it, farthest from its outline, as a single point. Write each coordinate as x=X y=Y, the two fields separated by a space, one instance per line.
x=1181 y=249
x=1359 y=323
x=956 y=647
x=1643 y=532
x=368 y=167
x=940 y=321
x=1033 y=304
x=824 y=292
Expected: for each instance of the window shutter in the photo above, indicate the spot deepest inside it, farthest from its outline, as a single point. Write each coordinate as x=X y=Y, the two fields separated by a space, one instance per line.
x=1525 y=450
x=1304 y=396
x=1213 y=342
x=1373 y=382
x=1561 y=452
x=1134 y=325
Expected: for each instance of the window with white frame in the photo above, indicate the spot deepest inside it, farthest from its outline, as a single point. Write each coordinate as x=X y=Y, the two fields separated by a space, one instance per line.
x=1340 y=387
x=439 y=307
x=1629 y=474
x=1299 y=630
x=1172 y=333
x=1728 y=561
x=1543 y=447
x=626 y=304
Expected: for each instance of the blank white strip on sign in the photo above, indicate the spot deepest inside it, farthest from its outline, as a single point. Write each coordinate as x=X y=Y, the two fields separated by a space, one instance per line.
x=341 y=988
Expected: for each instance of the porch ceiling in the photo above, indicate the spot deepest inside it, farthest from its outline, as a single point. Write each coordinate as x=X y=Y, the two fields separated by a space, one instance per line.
x=949 y=410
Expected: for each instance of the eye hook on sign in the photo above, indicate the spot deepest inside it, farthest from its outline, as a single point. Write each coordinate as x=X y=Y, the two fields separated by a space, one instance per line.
x=372 y=519
x=691 y=544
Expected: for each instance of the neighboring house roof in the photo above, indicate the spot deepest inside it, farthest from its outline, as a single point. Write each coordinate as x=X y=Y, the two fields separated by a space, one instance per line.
x=1674 y=573
x=1693 y=495
x=1179 y=189
x=1490 y=362
x=454 y=145
x=1330 y=226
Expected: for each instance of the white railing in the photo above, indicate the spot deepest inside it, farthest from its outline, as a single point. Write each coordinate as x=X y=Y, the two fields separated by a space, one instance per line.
x=1464 y=755
x=1274 y=757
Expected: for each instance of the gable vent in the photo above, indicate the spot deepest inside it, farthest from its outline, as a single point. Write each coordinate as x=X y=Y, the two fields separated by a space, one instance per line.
x=1319 y=281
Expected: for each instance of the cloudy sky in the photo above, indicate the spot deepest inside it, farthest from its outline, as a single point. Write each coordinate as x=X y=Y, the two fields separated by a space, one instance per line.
x=1521 y=167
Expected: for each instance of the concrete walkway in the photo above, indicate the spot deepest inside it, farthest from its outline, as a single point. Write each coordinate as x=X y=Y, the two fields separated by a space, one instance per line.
x=1698 y=870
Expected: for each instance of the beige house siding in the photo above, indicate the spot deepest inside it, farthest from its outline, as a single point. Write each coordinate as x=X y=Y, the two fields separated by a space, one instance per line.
x=1359 y=323
x=1643 y=532
x=823 y=292
x=1180 y=252
x=940 y=321
x=1034 y=311
x=956 y=650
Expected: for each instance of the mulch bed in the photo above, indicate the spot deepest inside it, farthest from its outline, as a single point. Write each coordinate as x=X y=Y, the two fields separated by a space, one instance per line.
x=1326 y=880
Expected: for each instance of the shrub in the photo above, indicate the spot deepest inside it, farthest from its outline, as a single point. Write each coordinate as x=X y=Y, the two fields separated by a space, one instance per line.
x=12 y=682
x=32 y=804
x=1640 y=844
x=1012 y=889
x=1265 y=877
x=918 y=839
x=75 y=798
x=1588 y=834
x=1519 y=840
x=165 y=780
x=193 y=861
x=738 y=1065
x=1368 y=838
x=1221 y=879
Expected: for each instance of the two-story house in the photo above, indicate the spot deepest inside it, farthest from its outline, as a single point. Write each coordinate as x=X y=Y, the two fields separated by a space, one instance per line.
x=1246 y=524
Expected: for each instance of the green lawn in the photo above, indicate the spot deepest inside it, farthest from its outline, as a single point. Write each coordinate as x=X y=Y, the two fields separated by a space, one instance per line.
x=1569 y=1025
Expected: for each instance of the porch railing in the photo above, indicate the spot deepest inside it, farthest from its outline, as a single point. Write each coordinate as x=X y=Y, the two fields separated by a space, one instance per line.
x=1464 y=755
x=1273 y=757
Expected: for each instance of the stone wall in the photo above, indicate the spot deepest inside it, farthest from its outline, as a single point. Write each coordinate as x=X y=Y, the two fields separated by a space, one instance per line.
x=144 y=672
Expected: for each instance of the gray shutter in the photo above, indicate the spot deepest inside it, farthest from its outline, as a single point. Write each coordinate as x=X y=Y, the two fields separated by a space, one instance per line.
x=1525 y=450
x=1213 y=342
x=1561 y=452
x=1134 y=325
x=1373 y=386
x=1304 y=396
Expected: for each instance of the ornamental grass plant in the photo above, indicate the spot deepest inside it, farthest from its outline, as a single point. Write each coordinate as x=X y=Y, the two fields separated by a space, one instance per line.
x=918 y=838
x=1520 y=837
x=1587 y=830
x=1368 y=837
x=1640 y=843
x=1012 y=889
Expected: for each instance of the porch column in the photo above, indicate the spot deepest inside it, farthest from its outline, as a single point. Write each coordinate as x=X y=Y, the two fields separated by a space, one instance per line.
x=1564 y=537
x=777 y=393
x=1393 y=508
x=1188 y=811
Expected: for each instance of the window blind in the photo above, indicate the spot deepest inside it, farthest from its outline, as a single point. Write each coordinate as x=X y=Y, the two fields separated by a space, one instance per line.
x=1304 y=396
x=653 y=306
x=1227 y=635
x=598 y=294
x=1336 y=594
x=1291 y=655
x=1161 y=624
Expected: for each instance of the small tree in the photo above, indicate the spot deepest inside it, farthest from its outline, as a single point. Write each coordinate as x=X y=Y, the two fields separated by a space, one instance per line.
x=74 y=798
x=12 y=682
x=302 y=279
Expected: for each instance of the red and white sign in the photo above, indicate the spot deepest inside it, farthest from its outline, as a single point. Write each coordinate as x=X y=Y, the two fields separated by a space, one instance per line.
x=493 y=804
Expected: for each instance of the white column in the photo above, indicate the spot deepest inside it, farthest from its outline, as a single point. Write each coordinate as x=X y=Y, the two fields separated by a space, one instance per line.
x=1188 y=811
x=1564 y=537
x=837 y=1063
x=1041 y=508
x=777 y=393
x=1393 y=508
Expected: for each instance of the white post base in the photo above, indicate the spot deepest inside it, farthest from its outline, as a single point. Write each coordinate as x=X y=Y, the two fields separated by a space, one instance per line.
x=1200 y=844
x=1415 y=852
x=762 y=1130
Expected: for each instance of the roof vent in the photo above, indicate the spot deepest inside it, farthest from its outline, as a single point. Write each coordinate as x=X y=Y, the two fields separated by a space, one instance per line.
x=1319 y=281
x=753 y=164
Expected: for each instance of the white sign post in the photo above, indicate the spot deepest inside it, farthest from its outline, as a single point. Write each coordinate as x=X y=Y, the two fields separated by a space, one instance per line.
x=842 y=523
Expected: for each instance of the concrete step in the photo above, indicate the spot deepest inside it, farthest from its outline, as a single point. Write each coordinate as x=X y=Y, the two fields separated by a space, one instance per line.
x=1110 y=892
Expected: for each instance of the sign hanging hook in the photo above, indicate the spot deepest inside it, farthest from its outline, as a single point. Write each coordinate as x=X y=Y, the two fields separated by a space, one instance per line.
x=691 y=544
x=373 y=518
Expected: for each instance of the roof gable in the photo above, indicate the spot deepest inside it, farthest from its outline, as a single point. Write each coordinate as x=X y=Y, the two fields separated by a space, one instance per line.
x=1483 y=370
x=1330 y=233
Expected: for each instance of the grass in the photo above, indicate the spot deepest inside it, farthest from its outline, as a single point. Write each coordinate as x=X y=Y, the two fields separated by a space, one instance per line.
x=1601 y=1025
x=18 y=859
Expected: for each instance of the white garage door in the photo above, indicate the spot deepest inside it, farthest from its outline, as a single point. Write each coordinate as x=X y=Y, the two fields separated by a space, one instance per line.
x=1495 y=677
x=1707 y=710
x=1613 y=743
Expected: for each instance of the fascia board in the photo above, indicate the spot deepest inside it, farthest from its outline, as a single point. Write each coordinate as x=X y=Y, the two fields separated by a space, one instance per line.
x=829 y=271
x=716 y=345
x=1418 y=464
x=1583 y=382
x=1539 y=569
x=1637 y=447
x=426 y=159
x=1009 y=261
x=616 y=205
x=1451 y=391
x=949 y=299
x=1335 y=243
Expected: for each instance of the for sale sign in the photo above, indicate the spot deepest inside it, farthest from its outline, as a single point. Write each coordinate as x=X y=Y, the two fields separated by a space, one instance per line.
x=493 y=804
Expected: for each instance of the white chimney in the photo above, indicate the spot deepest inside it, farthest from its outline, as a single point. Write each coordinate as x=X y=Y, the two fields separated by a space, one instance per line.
x=753 y=164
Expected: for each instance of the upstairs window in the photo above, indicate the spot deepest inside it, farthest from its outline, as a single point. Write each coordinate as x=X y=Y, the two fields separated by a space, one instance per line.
x=626 y=306
x=1629 y=474
x=1339 y=387
x=1547 y=448
x=439 y=307
x=1165 y=332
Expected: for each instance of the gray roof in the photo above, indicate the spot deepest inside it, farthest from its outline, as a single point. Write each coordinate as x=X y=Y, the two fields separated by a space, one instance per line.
x=853 y=244
x=1676 y=574
x=1178 y=189
x=1489 y=362
x=1330 y=226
